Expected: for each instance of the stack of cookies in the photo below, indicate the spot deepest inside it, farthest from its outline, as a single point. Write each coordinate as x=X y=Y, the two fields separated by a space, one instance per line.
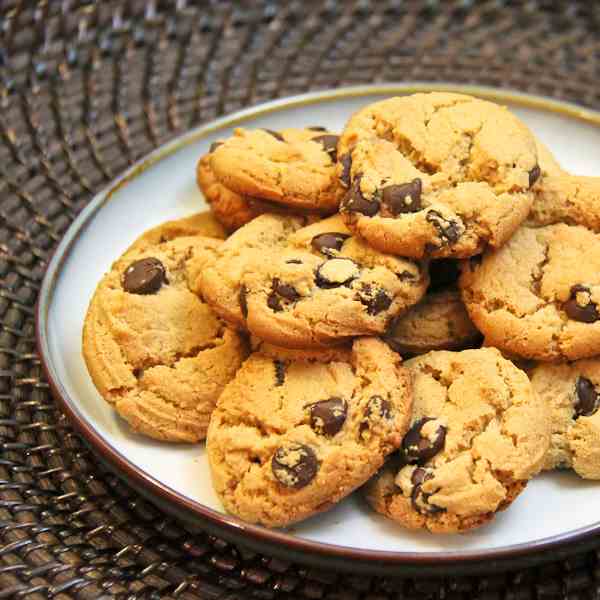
x=411 y=307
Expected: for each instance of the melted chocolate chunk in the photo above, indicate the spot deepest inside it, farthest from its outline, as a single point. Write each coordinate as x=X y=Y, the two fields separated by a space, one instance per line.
x=580 y=307
x=354 y=201
x=294 y=465
x=293 y=261
x=346 y=162
x=276 y=135
x=375 y=301
x=327 y=417
x=279 y=372
x=214 y=146
x=419 y=499
x=447 y=229
x=326 y=242
x=586 y=403
x=329 y=143
x=316 y=128
x=417 y=448
x=281 y=290
x=403 y=198
x=336 y=272
x=378 y=408
x=144 y=276
x=243 y=300
x=534 y=175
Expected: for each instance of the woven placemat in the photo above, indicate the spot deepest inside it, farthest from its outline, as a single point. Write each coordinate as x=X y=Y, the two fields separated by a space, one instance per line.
x=88 y=88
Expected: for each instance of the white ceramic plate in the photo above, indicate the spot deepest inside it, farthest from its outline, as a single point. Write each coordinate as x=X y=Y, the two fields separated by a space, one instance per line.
x=555 y=508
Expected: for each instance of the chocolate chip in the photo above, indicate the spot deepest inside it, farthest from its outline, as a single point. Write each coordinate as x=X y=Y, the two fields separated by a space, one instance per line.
x=281 y=290
x=326 y=242
x=534 y=175
x=285 y=290
x=214 y=146
x=317 y=128
x=378 y=408
x=587 y=398
x=354 y=201
x=346 y=162
x=329 y=143
x=336 y=272
x=144 y=276
x=447 y=229
x=443 y=273
x=294 y=465
x=475 y=261
x=276 y=135
x=419 y=499
x=418 y=448
x=293 y=261
x=580 y=306
x=243 y=300
x=327 y=417
x=375 y=302
x=403 y=198
x=279 y=372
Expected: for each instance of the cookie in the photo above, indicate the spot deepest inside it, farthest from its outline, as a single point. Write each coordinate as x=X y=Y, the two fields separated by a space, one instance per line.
x=478 y=434
x=292 y=167
x=538 y=296
x=548 y=164
x=155 y=350
x=439 y=322
x=438 y=174
x=202 y=223
x=326 y=286
x=292 y=437
x=572 y=392
x=231 y=209
x=572 y=199
x=220 y=282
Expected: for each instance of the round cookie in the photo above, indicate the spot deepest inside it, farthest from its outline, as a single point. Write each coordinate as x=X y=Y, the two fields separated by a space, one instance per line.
x=572 y=199
x=220 y=282
x=154 y=349
x=292 y=437
x=231 y=209
x=326 y=286
x=439 y=322
x=538 y=295
x=438 y=174
x=571 y=391
x=478 y=434
x=292 y=167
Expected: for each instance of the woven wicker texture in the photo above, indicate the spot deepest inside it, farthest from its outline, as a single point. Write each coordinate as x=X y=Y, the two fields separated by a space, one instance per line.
x=86 y=89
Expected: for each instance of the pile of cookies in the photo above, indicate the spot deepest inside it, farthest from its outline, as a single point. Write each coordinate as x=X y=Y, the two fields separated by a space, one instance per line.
x=411 y=307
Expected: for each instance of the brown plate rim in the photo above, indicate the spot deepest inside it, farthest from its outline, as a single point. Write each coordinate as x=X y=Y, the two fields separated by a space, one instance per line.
x=232 y=528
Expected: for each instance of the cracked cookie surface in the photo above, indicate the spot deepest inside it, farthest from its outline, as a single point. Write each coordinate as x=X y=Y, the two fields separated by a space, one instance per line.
x=292 y=167
x=438 y=174
x=478 y=434
x=325 y=286
x=572 y=392
x=291 y=437
x=537 y=296
x=153 y=348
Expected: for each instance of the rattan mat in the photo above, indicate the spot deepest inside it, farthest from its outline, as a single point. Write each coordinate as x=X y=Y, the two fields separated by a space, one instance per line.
x=88 y=88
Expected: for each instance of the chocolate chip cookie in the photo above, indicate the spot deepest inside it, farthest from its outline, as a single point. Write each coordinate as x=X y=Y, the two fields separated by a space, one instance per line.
x=292 y=167
x=438 y=174
x=154 y=349
x=538 y=296
x=292 y=437
x=478 y=434
x=439 y=322
x=572 y=392
x=326 y=286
